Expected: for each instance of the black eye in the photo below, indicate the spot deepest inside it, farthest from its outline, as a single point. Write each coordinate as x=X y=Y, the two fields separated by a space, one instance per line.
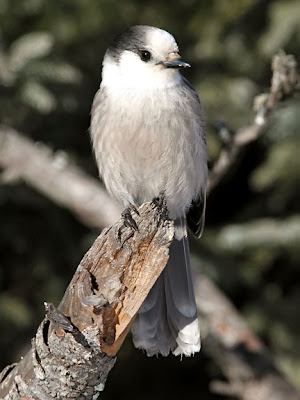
x=145 y=55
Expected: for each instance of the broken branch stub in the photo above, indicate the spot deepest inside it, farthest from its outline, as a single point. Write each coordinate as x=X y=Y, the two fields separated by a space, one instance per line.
x=115 y=276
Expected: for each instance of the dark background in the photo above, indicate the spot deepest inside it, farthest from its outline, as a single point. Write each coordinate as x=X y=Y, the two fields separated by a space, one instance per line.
x=50 y=65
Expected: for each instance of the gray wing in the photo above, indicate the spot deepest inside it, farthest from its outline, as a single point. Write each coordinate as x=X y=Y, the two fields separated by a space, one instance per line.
x=196 y=214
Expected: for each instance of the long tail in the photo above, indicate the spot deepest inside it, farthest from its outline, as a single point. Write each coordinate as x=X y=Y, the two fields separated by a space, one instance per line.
x=167 y=320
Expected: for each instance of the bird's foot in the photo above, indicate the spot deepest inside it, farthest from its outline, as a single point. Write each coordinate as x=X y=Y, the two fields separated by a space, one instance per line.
x=161 y=213
x=128 y=220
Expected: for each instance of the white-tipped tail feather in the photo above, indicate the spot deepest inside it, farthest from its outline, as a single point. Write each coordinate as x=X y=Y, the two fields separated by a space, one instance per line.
x=168 y=320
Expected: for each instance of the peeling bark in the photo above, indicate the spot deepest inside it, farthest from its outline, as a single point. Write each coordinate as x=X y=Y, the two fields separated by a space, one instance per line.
x=75 y=346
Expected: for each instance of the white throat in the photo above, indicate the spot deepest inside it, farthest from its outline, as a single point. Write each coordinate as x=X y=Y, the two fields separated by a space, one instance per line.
x=131 y=73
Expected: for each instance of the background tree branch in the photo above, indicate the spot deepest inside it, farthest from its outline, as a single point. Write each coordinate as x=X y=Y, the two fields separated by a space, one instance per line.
x=56 y=177
x=243 y=359
x=284 y=82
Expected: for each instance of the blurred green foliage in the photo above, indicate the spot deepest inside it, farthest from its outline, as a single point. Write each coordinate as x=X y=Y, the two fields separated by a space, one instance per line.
x=50 y=63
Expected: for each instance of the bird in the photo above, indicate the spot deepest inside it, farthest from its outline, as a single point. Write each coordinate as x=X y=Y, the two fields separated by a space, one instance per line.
x=147 y=133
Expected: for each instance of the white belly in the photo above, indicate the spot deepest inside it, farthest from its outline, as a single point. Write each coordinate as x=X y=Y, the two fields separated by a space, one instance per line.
x=143 y=148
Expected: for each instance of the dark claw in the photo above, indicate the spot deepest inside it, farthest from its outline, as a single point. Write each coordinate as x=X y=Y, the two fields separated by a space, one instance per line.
x=128 y=220
x=161 y=213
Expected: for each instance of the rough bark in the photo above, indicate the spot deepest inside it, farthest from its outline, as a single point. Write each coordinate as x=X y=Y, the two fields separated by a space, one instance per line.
x=75 y=345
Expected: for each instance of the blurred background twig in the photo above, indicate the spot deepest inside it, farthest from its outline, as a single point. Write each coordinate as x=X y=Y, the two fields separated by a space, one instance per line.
x=284 y=82
x=54 y=176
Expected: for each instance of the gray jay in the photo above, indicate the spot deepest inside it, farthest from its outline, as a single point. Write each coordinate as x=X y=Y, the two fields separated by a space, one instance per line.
x=147 y=135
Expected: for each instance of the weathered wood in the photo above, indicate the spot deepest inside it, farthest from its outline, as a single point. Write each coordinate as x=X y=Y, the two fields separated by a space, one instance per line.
x=71 y=358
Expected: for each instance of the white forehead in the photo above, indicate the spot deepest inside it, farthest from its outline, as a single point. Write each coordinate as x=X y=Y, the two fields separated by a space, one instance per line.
x=161 y=41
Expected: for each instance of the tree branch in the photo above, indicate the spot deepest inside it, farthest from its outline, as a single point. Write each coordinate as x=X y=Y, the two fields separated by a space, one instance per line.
x=75 y=345
x=244 y=361
x=56 y=177
x=285 y=81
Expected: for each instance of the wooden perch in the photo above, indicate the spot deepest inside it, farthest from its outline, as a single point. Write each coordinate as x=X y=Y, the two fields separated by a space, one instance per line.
x=75 y=345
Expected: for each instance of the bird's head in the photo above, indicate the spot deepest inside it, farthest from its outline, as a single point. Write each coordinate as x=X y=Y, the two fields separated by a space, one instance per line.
x=143 y=56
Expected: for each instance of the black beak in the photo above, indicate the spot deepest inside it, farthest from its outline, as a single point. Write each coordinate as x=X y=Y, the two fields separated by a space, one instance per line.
x=176 y=64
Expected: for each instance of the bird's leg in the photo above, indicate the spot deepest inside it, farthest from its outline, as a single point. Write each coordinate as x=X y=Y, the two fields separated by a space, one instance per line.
x=128 y=220
x=160 y=203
